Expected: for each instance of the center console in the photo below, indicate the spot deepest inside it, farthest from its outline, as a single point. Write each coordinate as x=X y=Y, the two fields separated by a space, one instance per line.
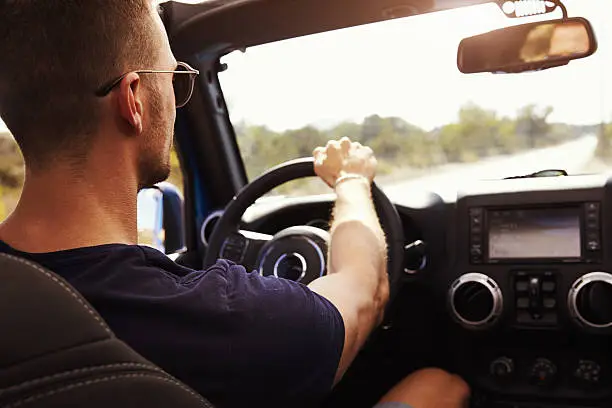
x=531 y=293
x=531 y=244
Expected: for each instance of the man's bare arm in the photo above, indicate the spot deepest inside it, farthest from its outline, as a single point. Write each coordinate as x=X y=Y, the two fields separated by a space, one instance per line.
x=357 y=282
x=428 y=388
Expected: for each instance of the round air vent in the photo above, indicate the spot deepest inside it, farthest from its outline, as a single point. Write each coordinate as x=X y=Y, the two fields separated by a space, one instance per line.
x=590 y=300
x=475 y=300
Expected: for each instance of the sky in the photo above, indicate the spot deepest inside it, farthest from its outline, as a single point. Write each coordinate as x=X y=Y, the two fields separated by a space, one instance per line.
x=407 y=68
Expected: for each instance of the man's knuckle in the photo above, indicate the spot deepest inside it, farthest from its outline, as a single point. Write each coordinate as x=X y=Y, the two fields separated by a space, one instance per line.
x=434 y=373
x=460 y=386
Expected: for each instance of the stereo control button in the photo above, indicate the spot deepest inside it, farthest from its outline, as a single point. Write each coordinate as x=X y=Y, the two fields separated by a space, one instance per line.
x=592 y=207
x=522 y=303
x=522 y=286
x=592 y=216
x=593 y=245
x=592 y=224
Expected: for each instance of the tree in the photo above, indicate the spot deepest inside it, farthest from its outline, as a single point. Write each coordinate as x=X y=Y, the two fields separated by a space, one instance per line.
x=11 y=175
x=371 y=127
x=388 y=143
x=478 y=129
x=532 y=124
x=604 y=147
x=348 y=129
x=3 y=209
x=506 y=140
x=305 y=140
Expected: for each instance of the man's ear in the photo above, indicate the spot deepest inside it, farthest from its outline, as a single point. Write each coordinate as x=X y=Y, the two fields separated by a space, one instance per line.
x=130 y=101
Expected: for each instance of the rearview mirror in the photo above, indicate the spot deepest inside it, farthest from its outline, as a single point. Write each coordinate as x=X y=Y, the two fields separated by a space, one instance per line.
x=527 y=47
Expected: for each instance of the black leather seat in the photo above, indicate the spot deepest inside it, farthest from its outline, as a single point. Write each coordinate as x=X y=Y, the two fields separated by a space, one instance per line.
x=56 y=351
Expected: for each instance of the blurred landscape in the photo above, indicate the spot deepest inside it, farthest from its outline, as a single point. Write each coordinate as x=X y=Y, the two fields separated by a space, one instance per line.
x=404 y=151
x=407 y=152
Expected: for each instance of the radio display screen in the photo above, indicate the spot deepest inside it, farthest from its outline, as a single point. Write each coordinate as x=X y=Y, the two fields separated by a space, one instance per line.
x=548 y=233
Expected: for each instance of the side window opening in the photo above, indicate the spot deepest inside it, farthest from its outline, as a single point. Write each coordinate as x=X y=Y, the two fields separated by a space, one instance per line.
x=150 y=202
x=12 y=174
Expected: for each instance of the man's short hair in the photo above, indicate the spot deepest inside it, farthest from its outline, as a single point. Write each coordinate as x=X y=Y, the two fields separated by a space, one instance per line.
x=54 y=55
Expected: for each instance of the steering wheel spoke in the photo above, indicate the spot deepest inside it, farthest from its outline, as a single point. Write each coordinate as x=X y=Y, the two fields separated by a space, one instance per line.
x=243 y=247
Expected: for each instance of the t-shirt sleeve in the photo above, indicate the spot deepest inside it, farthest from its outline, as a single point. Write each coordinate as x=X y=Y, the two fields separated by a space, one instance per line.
x=236 y=337
x=392 y=405
x=290 y=334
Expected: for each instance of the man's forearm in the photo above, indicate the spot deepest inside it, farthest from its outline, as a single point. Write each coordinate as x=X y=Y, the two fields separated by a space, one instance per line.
x=364 y=242
x=358 y=248
x=356 y=282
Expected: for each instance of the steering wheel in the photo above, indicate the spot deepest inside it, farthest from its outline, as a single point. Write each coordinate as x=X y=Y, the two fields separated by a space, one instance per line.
x=297 y=253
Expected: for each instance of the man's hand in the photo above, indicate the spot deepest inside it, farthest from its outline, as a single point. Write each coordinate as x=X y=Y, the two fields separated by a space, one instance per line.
x=342 y=158
x=356 y=281
x=429 y=388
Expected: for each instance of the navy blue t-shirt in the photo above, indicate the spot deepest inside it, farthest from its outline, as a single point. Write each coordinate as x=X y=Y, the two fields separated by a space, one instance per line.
x=238 y=338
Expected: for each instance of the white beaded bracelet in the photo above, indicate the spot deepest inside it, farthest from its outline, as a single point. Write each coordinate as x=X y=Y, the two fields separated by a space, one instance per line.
x=351 y=176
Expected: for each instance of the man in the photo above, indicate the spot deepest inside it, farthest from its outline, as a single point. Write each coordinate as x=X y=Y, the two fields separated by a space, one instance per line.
x=89 y=90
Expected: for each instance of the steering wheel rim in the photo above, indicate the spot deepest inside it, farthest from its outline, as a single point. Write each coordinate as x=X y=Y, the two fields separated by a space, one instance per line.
x=296 y=169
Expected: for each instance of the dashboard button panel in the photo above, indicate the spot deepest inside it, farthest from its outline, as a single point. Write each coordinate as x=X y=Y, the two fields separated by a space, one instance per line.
x=476 y=235
x=592 y=227
x=536 y=298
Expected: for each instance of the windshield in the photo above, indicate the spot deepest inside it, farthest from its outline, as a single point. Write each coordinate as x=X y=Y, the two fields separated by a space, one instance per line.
x=395 y=86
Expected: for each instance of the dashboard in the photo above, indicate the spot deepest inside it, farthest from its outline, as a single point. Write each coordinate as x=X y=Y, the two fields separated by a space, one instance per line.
x=514 y=292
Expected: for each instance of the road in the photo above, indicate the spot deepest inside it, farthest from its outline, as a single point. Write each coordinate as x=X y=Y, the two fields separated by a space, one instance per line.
x=572 y=156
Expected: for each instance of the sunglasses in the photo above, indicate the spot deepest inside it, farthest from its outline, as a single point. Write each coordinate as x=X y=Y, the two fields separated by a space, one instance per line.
x=183 y=80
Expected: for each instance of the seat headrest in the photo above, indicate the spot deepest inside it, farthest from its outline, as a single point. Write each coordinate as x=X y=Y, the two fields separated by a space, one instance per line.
x=56 y=351
x=36 y=304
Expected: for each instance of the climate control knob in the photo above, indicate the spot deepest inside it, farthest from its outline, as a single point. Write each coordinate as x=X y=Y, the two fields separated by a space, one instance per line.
x=590 y=300
x=502 y=368
x=588 y=372
x=475 y=300
x=543 y=372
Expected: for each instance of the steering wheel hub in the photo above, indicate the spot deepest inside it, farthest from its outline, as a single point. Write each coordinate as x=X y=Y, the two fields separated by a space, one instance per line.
x=291 y=266
x=297 y=253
